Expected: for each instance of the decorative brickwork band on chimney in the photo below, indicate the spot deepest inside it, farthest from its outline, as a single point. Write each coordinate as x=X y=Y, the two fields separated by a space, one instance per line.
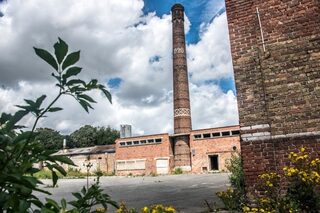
x=181 y=102
x=182 y=117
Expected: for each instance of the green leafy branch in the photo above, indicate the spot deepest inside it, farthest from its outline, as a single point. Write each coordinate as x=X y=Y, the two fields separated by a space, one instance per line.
x=19 y=151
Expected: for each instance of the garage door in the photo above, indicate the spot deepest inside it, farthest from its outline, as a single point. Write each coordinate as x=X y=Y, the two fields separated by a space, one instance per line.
x=162 y=166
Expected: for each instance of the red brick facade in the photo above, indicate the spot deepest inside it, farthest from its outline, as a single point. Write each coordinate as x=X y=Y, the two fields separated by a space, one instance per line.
x=149 y=152
x=220 y=142
x=277 y=79
x=221 y=146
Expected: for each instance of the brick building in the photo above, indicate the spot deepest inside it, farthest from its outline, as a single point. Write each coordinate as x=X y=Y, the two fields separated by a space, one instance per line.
x=275 y=48
x=154 y=154
x=191 y=150
x=102 y=158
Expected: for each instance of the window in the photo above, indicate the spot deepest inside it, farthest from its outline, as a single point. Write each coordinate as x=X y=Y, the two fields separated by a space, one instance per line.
x=216 y=134
x=136 y=142
x=206 y=135
x=235 y=132
x=197 y=136
x=122 y=143
x=121 y=165
x=158 y=140
x=225 y=133
x=150 y=140
x=129 y=143
x=143 y=142
x=131 y=165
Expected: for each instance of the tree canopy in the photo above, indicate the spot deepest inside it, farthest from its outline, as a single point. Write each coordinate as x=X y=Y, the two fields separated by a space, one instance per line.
x=50 y=138
x=91 y=136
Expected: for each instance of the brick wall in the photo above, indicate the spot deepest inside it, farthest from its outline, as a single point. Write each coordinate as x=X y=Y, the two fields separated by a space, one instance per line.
x=104 y=162
x=222 y=146
x=279 y=88
x=149 y=152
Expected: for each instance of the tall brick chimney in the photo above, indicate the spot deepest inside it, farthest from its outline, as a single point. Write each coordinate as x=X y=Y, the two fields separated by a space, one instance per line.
x=181 y=102
x=182 y=118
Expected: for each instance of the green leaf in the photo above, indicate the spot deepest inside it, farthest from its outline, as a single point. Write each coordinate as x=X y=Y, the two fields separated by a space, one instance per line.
x=60 y=50
x=40 y=100
x=60 y=169
x=71 y=59
x=86 y=97
x=72 y=71
x=55 y=109
x=75 y=81
x=54 y=178
x=62 y=159
x=107 y=94
x=15 y=118
x=84 y=105
x=30 y=102
x=63 y=203
x=46 y=56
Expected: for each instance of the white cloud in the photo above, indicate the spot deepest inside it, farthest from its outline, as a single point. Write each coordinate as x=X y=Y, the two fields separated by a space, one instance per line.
x=116 y=40
x=210 y=58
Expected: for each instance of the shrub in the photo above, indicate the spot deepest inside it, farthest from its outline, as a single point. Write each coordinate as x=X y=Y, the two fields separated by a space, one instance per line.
x=302 y=193
x=147 y=209
x=234 y=197
x=177 y=171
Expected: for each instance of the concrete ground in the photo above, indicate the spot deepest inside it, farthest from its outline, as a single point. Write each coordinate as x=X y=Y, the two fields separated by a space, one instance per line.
x=186 y=193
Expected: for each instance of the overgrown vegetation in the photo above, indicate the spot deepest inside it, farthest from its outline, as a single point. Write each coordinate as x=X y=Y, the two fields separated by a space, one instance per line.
x=147 y=209
x=177 y=171
x=20 y=151
x=234 y=197
x=301 y=193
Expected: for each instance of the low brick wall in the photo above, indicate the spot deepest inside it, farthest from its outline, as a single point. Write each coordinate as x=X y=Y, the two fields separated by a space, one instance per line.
x=272 y=155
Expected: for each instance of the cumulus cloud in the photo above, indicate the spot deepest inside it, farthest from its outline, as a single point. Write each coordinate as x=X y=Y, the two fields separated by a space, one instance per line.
x=117 y=41
x=210 y=58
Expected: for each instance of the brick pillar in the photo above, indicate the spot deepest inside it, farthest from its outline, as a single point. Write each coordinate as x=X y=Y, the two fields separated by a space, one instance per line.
x=181 y=102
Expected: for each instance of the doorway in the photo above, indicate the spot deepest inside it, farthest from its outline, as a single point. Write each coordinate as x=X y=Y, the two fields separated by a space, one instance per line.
x=214 y=162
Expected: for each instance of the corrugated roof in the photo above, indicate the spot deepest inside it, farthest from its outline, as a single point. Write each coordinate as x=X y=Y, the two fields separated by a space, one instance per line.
x=87 y=150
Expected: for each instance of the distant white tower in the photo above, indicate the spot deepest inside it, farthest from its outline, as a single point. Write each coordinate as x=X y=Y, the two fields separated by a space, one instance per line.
x=125 y=131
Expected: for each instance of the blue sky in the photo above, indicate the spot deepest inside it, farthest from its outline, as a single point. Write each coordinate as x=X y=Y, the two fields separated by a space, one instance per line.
x=198 y=12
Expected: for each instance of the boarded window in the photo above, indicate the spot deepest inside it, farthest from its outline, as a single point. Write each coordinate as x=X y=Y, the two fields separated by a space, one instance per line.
x=121 y=165
x=131 y=165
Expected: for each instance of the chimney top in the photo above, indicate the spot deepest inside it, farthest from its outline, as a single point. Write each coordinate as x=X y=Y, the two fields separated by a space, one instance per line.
x=177 y=7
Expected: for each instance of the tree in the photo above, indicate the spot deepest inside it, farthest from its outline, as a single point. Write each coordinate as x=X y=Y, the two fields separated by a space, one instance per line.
x=84 y=137
x=91 y=136
x=50 y=138
x=107 y=135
